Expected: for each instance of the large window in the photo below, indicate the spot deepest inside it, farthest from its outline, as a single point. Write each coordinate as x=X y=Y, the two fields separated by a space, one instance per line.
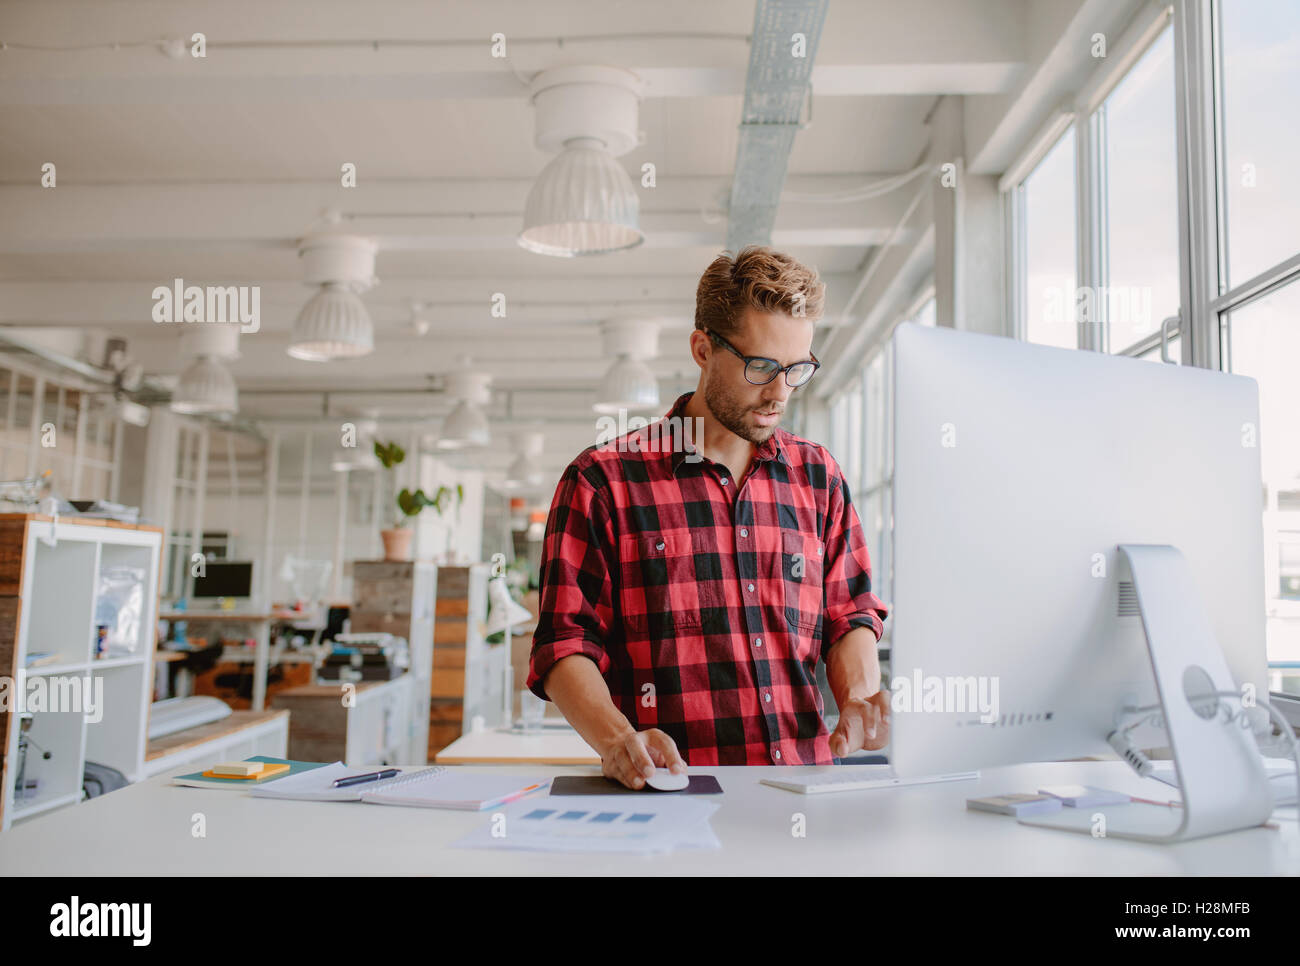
x=1258 y=308
x=189 y=478
x=1260 y=98
x=851 y=459
x=1265 y=344
x=1049 y=245
x=875 y=500
x=1243 y=276
x=865 y=409
x=16 y=413
x=1137 y=126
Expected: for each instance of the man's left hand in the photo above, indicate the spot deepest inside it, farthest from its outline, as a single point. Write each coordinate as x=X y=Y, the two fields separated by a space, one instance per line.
x=863 y=724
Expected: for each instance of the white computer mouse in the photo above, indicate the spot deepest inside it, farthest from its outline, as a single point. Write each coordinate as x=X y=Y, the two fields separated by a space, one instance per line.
x=665 y=781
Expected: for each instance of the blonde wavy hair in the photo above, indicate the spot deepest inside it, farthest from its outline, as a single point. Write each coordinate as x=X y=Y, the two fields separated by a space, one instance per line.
x=761 y=278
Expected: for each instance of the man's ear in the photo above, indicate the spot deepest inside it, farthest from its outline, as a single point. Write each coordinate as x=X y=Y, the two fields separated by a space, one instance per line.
x=700 y=347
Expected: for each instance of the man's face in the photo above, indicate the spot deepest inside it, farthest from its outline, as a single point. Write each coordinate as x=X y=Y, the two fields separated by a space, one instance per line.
x=735 y=402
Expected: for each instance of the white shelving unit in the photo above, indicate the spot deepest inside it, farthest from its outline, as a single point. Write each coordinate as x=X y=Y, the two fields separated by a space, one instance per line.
x=96 y=709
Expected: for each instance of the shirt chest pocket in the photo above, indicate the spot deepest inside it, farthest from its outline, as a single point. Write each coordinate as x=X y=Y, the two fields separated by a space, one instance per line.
x=802 y=568
x=658 y=589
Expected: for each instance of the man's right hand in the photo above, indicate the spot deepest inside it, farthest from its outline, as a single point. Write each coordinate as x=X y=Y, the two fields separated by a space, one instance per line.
x=633 y=757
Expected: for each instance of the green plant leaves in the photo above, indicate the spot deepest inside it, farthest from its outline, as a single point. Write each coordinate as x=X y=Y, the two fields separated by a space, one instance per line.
x=389 y=454
x=412 y=503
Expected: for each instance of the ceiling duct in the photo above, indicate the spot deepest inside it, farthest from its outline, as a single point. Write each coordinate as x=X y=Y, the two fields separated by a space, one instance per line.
x=775 y=88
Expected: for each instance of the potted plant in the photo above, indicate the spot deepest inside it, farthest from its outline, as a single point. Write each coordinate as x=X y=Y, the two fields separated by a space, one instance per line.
x=408 y=504
x=397 y=538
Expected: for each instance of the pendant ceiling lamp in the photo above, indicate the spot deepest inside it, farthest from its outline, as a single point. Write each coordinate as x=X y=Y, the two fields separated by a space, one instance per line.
x=583 y=202
x=466 y=427
x=360 y=457
x=629 y=383
x=334 y=324
x=525 y=472
x=206 y=387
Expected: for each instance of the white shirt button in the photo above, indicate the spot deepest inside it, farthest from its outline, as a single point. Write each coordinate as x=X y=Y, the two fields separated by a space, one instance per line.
x=724 y=481
x=744 y=532
x=659 y=546
x=777 y=754
x=751 y=587
x=758 y=642
x=767 y=697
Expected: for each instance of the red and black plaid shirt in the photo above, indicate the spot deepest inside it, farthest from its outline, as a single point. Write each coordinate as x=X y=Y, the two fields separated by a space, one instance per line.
x=706 y=604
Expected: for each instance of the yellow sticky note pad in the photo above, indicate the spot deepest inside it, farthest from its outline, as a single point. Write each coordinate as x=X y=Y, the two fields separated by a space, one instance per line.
x=268 y=771
x=238 y=769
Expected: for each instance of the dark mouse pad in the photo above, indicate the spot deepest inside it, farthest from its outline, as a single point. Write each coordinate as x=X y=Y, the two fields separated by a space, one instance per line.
x=600 y=785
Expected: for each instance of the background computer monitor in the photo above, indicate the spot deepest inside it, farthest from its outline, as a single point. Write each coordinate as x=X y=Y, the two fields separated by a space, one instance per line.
x=1018 y=469
x=225 y=579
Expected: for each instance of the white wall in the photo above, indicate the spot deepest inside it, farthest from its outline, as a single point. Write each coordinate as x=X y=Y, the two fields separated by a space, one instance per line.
x=460 y=529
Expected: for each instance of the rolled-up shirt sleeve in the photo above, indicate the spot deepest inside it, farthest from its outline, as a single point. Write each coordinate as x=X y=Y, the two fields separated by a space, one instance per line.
x=846 y=586
x=576 y=596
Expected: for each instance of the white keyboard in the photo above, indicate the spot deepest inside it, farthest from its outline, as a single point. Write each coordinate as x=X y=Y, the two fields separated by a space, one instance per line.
x=852 y=778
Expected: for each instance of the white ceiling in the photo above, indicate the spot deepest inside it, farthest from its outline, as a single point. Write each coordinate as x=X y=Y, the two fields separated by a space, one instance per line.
x=210 y=170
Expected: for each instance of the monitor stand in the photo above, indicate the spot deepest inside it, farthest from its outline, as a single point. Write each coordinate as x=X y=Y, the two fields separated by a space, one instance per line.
x=1219 y=768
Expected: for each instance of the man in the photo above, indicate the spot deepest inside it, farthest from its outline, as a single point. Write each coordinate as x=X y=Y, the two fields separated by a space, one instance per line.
x=689 y=589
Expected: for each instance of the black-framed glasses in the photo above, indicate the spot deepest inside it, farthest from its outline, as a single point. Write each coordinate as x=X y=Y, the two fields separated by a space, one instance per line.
x=760 y=370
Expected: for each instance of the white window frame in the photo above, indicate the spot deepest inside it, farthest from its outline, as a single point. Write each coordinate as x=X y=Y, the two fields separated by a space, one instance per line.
x=1085 y=115
x=42 y=381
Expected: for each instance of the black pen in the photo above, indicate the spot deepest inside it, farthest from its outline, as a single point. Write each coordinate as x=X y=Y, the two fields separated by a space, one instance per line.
x=373 y=776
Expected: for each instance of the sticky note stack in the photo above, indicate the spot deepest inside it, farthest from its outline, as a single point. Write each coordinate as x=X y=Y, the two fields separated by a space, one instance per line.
x=253 y=771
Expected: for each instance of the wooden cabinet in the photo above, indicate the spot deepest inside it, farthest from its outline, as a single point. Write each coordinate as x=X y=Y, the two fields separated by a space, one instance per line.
x=468 y=674
x=58 y=581
x=397 y=597
x=458 y=654
x=441 y=611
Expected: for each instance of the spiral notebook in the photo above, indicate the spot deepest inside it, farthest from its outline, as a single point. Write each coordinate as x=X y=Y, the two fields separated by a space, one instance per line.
x=437 y=787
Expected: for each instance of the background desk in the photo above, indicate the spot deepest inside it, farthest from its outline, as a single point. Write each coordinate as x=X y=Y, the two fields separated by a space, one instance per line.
x=919 y=830
x=260 y=623
x=507 y=748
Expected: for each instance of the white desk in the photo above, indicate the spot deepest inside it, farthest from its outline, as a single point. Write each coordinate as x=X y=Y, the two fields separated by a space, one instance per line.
x=918 y=830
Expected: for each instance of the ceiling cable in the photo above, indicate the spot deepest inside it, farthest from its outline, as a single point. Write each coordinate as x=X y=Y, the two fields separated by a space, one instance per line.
x=863 y=193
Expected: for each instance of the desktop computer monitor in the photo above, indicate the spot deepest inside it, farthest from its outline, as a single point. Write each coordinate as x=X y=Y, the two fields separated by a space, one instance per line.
x=1020 y=473
x=225 y=579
